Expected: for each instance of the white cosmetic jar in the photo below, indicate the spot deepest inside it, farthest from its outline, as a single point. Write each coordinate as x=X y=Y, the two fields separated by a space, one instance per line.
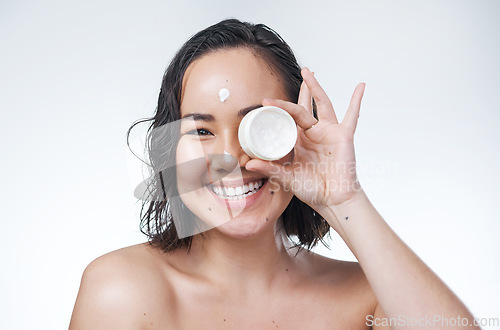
x=267 y=133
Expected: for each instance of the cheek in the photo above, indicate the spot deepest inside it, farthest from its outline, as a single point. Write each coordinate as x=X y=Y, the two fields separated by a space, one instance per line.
x=191 y=164
x=281 y=195
x=189 y=150
x=279 y=201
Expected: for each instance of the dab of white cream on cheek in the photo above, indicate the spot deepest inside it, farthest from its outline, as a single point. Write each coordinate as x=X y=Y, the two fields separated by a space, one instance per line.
x=223 y=94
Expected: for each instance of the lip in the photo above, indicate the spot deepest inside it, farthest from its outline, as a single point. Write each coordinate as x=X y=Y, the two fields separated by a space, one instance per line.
x=240 y=203
x=235 y=183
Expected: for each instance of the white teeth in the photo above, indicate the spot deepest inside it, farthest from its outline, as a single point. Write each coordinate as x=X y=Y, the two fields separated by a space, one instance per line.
x=237 y=193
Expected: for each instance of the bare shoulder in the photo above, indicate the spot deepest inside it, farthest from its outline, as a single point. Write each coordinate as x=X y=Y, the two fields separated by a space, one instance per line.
x=119 y=290
x=345 y=281
x=332 y=271
x=345 y=274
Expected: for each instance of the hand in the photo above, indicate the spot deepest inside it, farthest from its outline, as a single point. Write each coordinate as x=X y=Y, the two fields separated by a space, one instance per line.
x=323 y=170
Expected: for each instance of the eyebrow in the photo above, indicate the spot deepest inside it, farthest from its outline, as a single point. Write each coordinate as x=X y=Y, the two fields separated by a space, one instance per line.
x=199 y=116
x=246 y=110
x=209 y=118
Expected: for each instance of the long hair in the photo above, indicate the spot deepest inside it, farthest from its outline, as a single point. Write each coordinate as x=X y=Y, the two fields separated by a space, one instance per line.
x=157 y=215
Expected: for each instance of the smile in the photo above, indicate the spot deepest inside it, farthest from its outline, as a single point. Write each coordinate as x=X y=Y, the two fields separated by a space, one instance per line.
x=239 y=192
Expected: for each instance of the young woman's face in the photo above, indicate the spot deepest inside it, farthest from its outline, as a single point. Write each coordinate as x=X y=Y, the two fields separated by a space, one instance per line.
x=218 y=89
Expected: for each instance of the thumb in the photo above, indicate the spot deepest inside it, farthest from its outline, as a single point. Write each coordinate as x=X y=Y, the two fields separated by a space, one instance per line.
x=273 y=170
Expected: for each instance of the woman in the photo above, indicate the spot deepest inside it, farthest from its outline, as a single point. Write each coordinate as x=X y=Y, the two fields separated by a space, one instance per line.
x=217 y=261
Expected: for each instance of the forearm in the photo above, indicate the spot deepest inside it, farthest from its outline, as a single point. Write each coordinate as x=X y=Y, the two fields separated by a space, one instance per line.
x=402 y=283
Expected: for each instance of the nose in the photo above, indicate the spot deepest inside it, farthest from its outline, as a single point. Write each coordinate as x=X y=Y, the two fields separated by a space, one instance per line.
x=227 y=154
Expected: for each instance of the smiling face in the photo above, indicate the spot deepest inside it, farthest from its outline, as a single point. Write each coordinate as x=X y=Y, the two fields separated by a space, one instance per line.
x=210 y=127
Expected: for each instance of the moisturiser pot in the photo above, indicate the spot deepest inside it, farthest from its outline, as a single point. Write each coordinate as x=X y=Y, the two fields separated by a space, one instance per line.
x=267 y=133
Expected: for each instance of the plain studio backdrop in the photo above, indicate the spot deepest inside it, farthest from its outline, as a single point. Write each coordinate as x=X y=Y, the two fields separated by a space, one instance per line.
x=75 y=76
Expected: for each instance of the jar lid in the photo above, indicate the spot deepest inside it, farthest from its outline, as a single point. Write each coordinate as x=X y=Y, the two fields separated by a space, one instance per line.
x=267 y=133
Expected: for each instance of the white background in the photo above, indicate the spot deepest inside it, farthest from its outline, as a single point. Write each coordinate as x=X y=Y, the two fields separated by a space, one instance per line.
x=75 y=75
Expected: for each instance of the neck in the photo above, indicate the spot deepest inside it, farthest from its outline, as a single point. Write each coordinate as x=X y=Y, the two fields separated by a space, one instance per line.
x=243 y=262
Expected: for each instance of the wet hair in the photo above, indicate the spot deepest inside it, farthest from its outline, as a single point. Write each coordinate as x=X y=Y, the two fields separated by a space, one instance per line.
x=301 y=223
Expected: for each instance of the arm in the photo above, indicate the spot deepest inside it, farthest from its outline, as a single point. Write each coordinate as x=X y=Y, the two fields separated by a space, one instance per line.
x=402 y=283
x=323 y=175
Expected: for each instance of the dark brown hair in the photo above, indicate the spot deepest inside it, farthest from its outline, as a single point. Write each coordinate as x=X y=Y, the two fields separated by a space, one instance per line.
x=158 y=213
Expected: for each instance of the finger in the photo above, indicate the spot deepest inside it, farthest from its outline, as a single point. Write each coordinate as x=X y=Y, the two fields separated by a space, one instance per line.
x=324 y=105
x=273 y=170
x=303 y=118
x=305 y=98
x=351 y=117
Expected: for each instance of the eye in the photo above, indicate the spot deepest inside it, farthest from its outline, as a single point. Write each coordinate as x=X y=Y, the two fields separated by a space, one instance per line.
x=200 y=132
